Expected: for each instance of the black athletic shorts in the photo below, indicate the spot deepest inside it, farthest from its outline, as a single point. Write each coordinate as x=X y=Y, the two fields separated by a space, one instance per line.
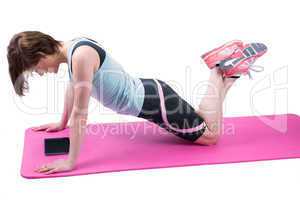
x=164 y=107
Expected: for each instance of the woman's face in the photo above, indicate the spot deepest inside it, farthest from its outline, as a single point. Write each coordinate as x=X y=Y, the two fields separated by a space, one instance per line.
x=48 y=64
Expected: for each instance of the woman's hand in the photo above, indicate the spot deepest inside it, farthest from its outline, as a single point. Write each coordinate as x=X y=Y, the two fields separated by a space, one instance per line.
x=60 y=165
x=51 y=127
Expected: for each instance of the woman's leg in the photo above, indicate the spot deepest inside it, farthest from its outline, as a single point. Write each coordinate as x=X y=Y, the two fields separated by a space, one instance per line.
x=211 y=106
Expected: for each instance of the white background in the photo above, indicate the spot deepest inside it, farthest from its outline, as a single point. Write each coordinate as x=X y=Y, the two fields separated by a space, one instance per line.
x=156 y=39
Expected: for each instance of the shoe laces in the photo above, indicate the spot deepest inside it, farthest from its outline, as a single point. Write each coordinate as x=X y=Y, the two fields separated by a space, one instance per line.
x=254 y=68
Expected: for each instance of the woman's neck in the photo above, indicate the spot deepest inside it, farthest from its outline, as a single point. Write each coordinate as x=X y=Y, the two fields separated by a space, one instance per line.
x=63 y=51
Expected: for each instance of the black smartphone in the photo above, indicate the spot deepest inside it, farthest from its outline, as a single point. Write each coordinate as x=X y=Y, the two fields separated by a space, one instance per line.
x=56 y=146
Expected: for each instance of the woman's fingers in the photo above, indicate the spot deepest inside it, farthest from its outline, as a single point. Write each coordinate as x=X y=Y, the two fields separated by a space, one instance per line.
x=37 y=128
x=43 y=169
x=48 y=127
x=40 y=128
x=51 y=129
x=51 y=171
x=60 y=165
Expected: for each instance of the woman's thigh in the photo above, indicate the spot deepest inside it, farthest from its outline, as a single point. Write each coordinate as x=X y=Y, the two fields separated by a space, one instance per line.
x=163 y=106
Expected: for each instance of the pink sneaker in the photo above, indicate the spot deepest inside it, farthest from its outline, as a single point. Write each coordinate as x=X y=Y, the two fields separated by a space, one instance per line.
x=214 y=57
x=241 y=62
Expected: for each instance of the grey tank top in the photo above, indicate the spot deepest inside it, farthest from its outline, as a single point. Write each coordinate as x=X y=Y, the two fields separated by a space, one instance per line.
x=112 y=85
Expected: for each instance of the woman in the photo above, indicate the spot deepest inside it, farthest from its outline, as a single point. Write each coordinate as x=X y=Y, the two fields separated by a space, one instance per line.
x=93 y=72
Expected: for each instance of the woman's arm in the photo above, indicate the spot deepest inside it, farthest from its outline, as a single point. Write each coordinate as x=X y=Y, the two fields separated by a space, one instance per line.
x=83 y=70
x=68 y=105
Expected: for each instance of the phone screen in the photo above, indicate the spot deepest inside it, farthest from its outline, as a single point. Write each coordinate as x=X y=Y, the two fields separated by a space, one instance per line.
x=57 y=146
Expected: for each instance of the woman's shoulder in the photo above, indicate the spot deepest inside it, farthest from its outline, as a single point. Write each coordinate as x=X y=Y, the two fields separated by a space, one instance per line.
x=86 y=55
x=90 y=46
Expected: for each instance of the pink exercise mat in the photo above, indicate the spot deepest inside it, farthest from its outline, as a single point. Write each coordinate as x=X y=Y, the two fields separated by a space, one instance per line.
x=142 y=145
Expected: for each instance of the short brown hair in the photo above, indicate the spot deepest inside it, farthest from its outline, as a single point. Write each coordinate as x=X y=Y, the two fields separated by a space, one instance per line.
x=24 y=51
